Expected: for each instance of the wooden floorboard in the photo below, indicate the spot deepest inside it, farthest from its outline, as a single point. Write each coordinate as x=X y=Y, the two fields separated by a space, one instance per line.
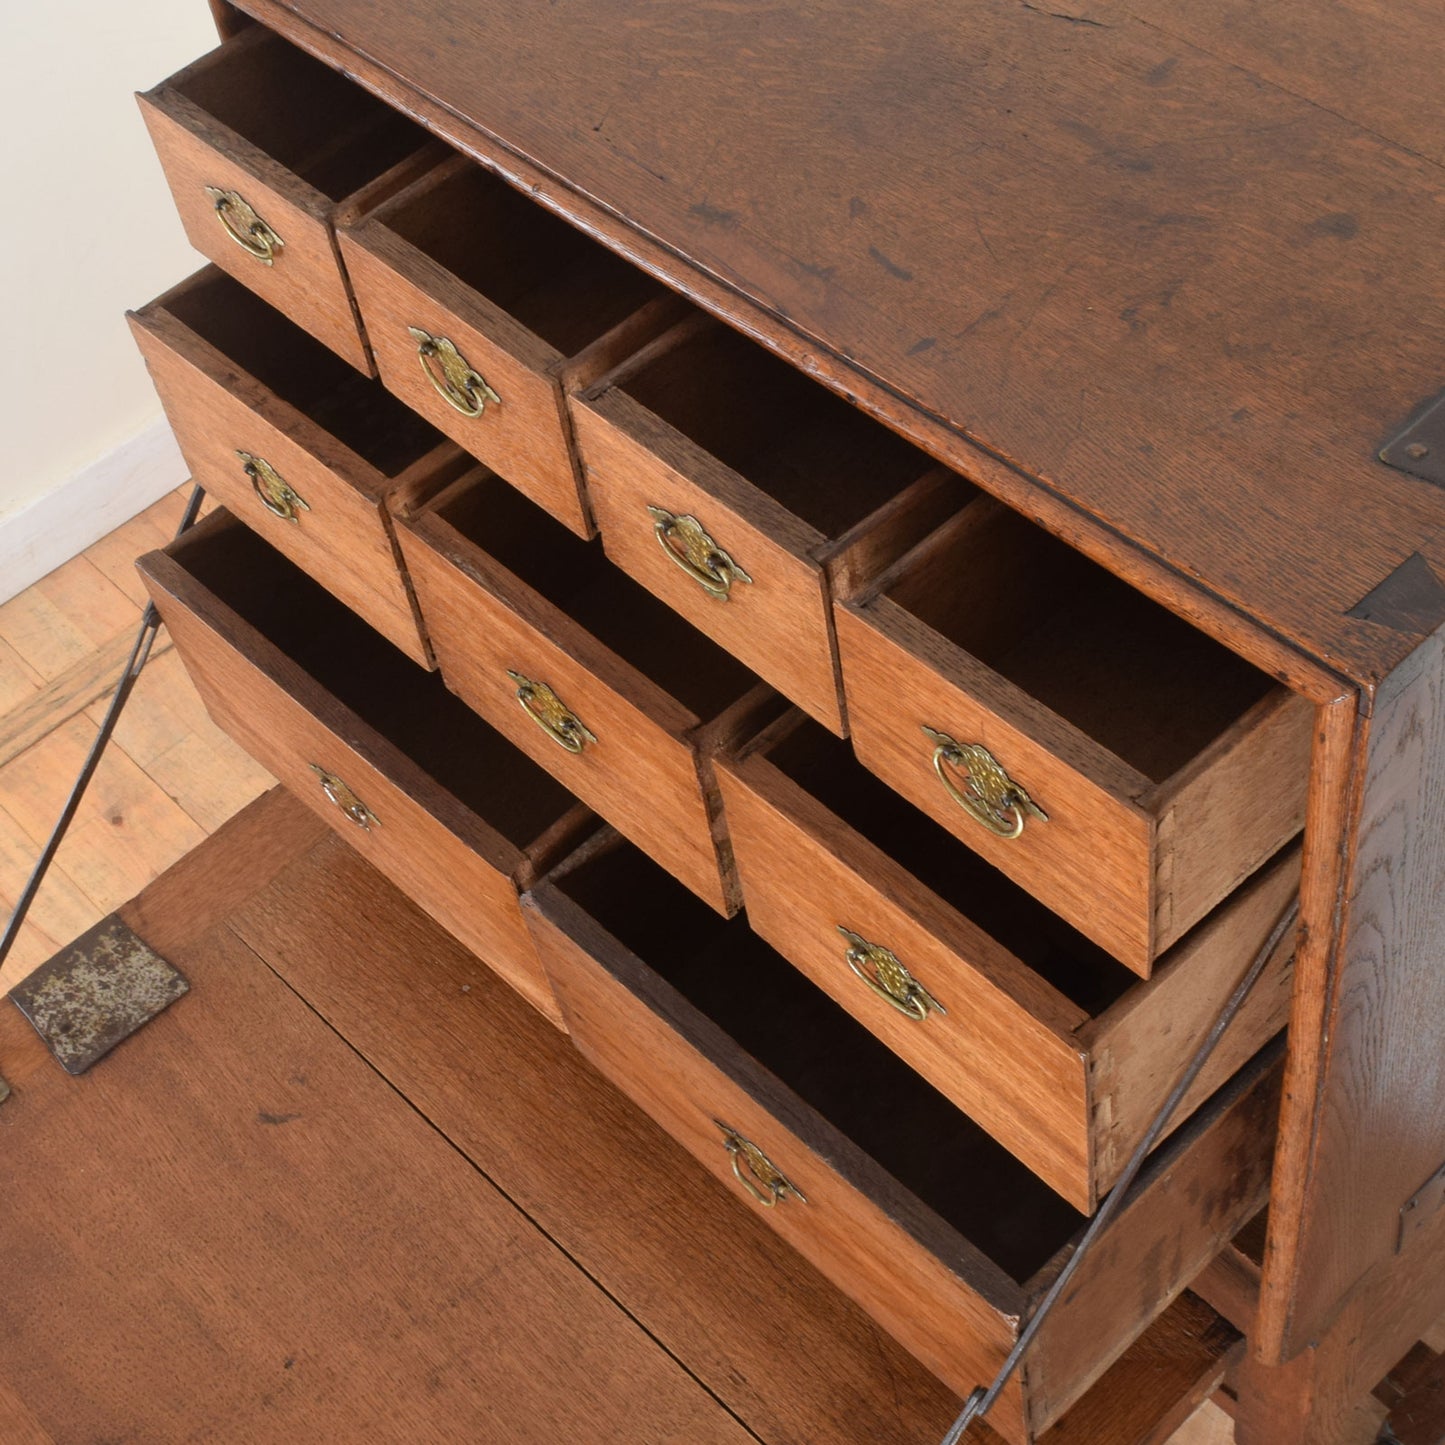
x=170 y=777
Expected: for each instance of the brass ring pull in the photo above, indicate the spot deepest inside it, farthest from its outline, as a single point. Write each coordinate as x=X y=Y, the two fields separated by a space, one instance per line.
x=880 y=969
x=276 y=494
x=550 y=714
x=244 y=226
x=690 y=547
x=756 y=1172
x=988 y=795
x=459 y=385
x=345 y=799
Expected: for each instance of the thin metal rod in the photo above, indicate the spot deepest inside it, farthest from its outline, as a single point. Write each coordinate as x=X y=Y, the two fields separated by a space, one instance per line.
x=139 y=654
x=982 y=1400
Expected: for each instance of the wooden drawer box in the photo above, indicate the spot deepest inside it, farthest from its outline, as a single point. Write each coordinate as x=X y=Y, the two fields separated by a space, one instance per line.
x=748 y=497
x=1058 y=1050
x=297 y=444
x=887 y=1188
x=619 y=697
x=439 y=801
x=1168 y=768
x=483 y=309
x=264 y=147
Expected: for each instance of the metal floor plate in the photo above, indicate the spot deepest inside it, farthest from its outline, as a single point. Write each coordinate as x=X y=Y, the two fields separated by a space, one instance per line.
x=96 y=993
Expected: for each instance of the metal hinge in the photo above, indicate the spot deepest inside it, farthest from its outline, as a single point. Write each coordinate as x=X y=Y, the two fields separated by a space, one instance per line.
x=1421 y=1208
x=1418 y=447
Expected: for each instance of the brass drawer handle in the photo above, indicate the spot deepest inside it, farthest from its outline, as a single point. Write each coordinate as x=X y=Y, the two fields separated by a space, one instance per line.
x=244 y=226
x=988 y=795
x=277 y=495
x=880 y=969
x=459 y=385
x=550 y=714
x=756 y=1172
x=690 y=547
x=345 y=799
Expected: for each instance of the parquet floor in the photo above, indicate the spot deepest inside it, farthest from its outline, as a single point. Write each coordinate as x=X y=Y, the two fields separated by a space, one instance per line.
x=169 y=778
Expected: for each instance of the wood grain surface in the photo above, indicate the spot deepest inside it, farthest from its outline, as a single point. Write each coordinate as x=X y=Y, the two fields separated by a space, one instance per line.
x=198 y=151
x=523 y=437
x=1155 y=266
x=457 y=865
x=216 y=408
x=778 y=624
x=936 y=1292
x=643 y=771
x=1363 y=1120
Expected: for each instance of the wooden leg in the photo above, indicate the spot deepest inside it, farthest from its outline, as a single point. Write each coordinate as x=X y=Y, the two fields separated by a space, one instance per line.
x=1306 y=1402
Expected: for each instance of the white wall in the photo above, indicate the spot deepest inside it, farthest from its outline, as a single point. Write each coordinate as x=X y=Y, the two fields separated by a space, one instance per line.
x=88 y=229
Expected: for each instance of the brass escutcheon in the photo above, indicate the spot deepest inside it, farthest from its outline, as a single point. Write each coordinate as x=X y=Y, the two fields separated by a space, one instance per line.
x=550 y=714
x=988 y=795
x=689 y=546
x=277 y=495
x=459 y=384
x=880 y=969
x=756 y=1172
x=345 y=799
x=244 y=226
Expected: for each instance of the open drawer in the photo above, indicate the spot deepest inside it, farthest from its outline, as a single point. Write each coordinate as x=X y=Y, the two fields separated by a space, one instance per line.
x=601 y=683
x=749 y=498
x=483 y=309
x=264 y=148
x=1057 y=1049
x=436 y=799
x=293 y=441
x=1126 y=769
x=890 y=1191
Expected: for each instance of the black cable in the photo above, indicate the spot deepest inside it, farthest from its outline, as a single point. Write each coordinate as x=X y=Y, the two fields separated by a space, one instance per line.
x=150 y=625
x=982 y=1399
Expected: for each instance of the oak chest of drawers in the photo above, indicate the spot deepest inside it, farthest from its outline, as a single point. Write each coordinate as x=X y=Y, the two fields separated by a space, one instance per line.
x=964 y=679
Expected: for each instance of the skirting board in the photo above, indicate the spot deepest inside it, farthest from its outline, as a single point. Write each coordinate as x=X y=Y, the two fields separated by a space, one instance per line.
x=58 y=524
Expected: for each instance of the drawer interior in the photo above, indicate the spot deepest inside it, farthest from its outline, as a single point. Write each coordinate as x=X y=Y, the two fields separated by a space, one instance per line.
x=302 y=371
x=321 y=126
x=1142 y=682
x=557 y=282
x=405 y=704
x=812 y=451
x=575 y=576
x=830 y=1061
x=824 y=767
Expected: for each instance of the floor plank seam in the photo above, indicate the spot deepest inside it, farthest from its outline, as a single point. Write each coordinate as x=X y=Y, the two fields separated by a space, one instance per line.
x=502 y=1192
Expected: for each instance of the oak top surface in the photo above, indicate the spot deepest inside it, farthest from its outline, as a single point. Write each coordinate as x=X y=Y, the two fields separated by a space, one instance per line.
x=1188 y=282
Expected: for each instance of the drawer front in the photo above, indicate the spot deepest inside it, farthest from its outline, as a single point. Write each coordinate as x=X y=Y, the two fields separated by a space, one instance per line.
x=843 y=1232
x=636 y=769
x=1092 y=861
x=523 y=433
x=302 y=277
x=778 y=622
x=359 y=776
x=950 y=1306
x=1006 y=1059
x=336 y=529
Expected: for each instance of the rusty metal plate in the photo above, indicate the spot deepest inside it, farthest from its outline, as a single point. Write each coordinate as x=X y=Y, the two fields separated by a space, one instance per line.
x=1419 y=446
x=96 y=993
